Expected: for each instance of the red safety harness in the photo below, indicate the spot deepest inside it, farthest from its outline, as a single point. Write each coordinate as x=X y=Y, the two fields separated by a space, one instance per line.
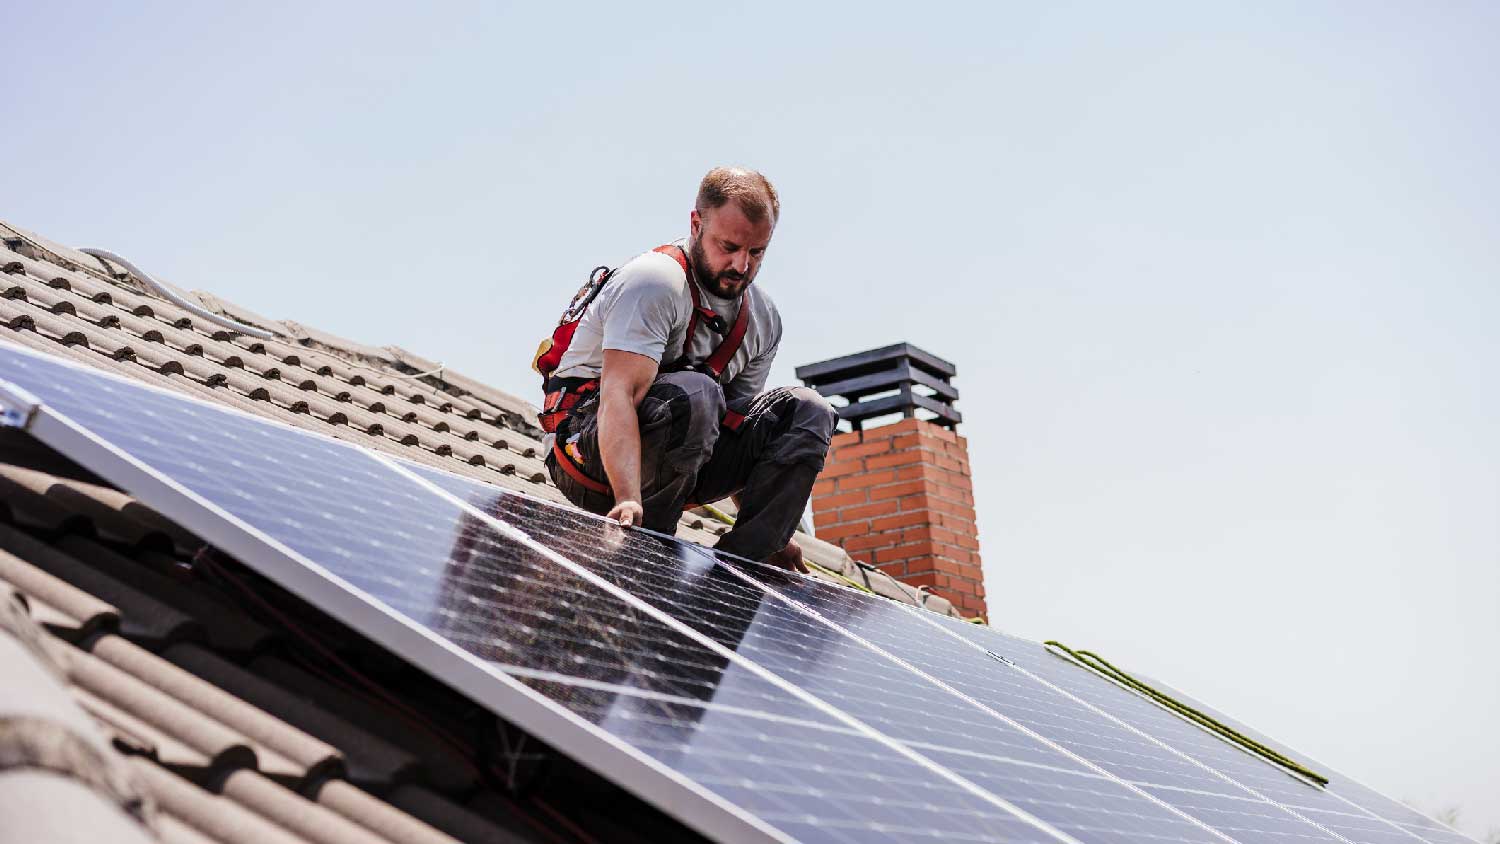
x=562 y=395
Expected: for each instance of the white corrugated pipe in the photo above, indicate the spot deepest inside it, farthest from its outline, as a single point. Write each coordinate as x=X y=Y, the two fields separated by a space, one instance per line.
x=171 y=296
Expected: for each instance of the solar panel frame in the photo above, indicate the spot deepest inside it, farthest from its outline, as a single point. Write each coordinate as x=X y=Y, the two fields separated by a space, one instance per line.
x=983 y=713
x=680 y=796
x=1342 y=786
x=1306 y=803
x=1316 y=803
x=571 y=733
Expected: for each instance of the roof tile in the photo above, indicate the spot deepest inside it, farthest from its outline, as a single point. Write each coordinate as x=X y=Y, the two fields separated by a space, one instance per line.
x=375 y=814
x=315 y=824
x=369 y=758
x=142 y=615
x=219 y=744
x=56 y=601
x=219 y=818
x=306 y=756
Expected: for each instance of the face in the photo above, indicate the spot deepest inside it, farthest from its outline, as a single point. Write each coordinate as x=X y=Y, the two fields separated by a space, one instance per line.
x=726 y=249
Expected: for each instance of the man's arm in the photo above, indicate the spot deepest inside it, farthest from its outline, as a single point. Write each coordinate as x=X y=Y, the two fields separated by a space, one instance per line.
x=622 y=384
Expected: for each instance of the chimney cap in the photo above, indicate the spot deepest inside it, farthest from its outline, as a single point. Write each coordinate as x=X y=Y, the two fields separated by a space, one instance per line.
x=899 y=368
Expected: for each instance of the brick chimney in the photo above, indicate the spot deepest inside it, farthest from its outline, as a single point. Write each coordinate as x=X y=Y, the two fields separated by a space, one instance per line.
x=898 y=495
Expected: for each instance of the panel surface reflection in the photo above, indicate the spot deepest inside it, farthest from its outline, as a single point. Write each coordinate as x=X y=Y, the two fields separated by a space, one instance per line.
x=689 y=585
x=420 y=556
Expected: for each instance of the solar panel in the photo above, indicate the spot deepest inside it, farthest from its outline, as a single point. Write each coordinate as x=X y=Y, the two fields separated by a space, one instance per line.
x=750 y=703
x=1365 y=801
x=1344 y=809
x=705 y=737
x=1131 y=746
x=1003 y=756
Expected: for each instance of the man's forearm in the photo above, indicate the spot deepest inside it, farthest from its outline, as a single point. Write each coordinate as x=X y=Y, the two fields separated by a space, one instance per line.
x=620 y=446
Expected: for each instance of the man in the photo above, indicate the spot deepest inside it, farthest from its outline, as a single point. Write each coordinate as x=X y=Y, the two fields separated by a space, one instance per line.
x=680 y=414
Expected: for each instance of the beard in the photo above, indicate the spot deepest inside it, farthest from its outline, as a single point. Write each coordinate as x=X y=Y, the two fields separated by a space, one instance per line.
x=726 y=284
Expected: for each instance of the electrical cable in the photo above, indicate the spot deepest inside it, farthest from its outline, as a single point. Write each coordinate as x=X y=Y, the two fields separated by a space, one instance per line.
x=171 y=296
x=1099 y=665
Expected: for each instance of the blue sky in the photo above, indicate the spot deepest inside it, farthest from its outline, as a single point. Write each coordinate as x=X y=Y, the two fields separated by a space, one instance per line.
x=1220 y=279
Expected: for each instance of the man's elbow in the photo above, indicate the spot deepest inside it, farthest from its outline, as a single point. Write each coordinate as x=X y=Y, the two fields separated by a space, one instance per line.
x=622 y=396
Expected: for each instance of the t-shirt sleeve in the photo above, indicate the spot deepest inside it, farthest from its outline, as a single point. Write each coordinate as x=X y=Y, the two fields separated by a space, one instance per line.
x=639 y=314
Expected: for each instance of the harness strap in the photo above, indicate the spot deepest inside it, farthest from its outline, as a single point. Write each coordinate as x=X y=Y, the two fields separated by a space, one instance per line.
x=576 y=472
x=725 y=353
x=730 y=420
x=719 y=360
x=565 y=394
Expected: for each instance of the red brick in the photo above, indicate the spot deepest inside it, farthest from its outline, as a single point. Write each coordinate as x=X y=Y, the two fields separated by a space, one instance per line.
x=900 y=458
x=949 y=520
x=869 y=541
x=966 y=541
x=948 y=477
x=951 y=567
x=944 y=535
x=950 y=507
x=842 y=499
x=939 y=431
x=849 y=452
x=867 y=480
x=921 y=531
x=865 y=511
x=905 y=552
x=921 y=580
x=822 y=487
x=885 y=432
x=911 y=473
x=916 y=501
x=899 y=521
x=896 y=490
x=866 y=557
x=847 y=438
x=840 y=468
x=837 y=532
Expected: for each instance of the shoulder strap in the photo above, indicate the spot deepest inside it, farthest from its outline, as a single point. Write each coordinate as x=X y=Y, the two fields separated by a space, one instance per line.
x=680 y=255
x=722 y=355
x=676 y=252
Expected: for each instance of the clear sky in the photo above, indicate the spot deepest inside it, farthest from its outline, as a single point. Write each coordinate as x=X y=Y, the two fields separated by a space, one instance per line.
x=1220 y=279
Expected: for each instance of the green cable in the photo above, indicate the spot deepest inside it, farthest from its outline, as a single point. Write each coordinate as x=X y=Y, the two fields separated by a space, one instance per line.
x=1094 y=662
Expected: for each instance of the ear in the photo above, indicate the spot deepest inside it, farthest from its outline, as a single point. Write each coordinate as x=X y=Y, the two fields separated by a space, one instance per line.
x=695 y=224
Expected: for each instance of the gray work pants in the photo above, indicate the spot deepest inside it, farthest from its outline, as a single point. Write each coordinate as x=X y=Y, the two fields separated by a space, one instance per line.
x=771 y=461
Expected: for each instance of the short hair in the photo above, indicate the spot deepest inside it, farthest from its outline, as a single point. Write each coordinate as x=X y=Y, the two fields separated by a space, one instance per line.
x=751 y=191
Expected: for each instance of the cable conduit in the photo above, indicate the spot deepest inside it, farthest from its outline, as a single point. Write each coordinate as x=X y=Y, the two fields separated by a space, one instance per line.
x=171 y=296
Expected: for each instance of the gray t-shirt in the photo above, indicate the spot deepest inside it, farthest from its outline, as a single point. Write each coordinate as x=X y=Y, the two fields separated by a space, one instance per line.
x=645 y=307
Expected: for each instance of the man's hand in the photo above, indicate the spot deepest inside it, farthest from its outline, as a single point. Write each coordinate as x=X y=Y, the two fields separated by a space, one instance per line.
x=789 y=558
x=629 y=513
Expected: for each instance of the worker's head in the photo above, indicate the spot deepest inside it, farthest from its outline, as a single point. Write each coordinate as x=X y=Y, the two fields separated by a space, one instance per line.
x=731 y=227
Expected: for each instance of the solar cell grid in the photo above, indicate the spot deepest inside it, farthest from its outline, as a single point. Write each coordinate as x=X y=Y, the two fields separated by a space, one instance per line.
x=777 y=702
x=837 y=668
x=1340 y=816
x=987 y=676
x=433 y=564
x=1359 y=800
